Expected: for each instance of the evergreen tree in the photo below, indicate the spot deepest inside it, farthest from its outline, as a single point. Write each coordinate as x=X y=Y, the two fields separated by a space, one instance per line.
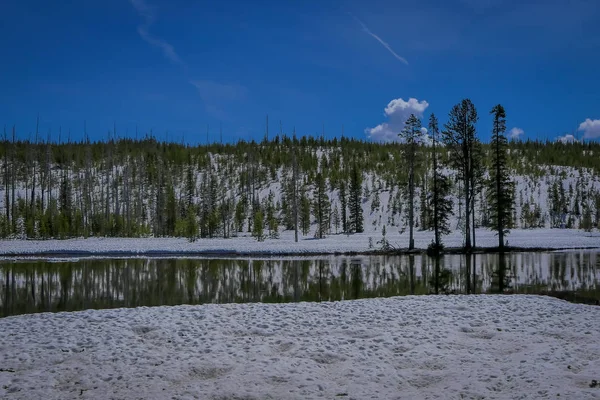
x=376 y=202
x=321 y=206
x=258 y=225
x=240 y=214
x=460 y=139
x=586 y=220
x=191 y=224
x=424 y=210
x=355 y=203
x=171 y=212
x=344 y=205
x=304 y=213
x=500 y=190
x=411 y=136
x=66 y=206
x=295 y=187
x=190 y=185
x=441 y=203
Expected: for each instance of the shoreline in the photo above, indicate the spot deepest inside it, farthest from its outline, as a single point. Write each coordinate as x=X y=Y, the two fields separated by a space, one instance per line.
x=361 y=244
x=267 y=254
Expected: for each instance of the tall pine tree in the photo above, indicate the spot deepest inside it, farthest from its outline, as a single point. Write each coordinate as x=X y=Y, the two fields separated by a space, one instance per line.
x=344 y=205
x=355 y=201
x=460 y=138
x=500 y=190
x=411 y=136
x=321 y=206
x=441 y=203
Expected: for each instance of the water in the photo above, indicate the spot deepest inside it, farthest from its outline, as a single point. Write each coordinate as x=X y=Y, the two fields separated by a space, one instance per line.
x=29 y=286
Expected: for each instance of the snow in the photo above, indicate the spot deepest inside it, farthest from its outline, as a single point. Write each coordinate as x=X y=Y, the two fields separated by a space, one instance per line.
x=523 y=238
x=493 y=347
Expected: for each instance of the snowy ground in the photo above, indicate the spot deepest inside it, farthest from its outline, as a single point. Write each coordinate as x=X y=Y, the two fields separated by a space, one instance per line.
x=493 y=347
x=525 y=238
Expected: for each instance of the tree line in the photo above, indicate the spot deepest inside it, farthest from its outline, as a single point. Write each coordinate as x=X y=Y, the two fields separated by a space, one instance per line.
x=311 y=185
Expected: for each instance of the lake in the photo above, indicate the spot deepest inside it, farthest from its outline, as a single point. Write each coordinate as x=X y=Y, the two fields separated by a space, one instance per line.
x=30 y=286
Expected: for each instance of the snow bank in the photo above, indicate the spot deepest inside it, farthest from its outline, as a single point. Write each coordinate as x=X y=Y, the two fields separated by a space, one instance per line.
x=525 y=238
x=507 y=347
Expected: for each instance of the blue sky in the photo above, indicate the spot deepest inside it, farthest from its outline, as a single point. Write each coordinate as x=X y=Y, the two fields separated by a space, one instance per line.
x=179 y=66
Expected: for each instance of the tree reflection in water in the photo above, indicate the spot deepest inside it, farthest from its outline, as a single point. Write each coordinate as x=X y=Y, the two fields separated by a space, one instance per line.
x=38 y=286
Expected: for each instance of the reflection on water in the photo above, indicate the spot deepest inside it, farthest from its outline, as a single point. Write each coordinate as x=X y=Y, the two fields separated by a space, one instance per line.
x=36 y=286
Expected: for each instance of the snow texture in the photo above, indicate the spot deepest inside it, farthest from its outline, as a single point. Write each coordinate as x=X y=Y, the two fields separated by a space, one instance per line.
x=426 y=347
x=523 y=238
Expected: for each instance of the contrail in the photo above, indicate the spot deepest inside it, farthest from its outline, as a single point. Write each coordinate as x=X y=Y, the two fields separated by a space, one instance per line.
x=383 y=43
x=147 y=13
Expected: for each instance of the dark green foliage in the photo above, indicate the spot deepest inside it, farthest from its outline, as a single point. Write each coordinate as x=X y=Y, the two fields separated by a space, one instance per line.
x=272 y=222
x=460 y=138
x=411 y=136
x=191 y=225
x=147 y=187
x=321 y=206
x=258 y=225
x=500 y=187
x=304 y=214
x=344 y=206
x=355 y=201
x=240 y=214
x=440 y=202
x=586 y=220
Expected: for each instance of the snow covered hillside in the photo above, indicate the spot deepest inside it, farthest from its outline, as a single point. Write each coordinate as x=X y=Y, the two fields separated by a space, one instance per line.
x=427 y=347
x=215 y=192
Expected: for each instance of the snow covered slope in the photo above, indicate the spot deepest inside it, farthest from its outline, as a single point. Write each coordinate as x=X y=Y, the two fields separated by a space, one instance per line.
x=427 y=347
x=383 y=200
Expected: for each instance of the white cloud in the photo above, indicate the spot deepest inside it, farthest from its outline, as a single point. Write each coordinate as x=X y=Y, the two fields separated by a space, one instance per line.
x=397 y=111
x=383 y=43
x=566 y=139
x=147 y=12
x=515 y=133
x=590 y=128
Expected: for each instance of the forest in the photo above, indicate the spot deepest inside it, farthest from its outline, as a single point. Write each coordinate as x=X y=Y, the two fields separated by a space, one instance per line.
x=124 y=187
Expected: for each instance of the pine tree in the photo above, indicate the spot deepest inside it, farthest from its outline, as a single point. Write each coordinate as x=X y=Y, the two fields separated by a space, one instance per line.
x=171 y=211
x=355 y=203
x=191 y=224
x=258 y=225
x=460 y=139
x=240 y=214
x=344 y=205
x=500 y=190
x=321 y=206
x=304 y=213
x=586 y=220
x=190 y=185
x=66 y=206
x=295 y=188
x=411 y=136
x=376 y=202
x=441 y=203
